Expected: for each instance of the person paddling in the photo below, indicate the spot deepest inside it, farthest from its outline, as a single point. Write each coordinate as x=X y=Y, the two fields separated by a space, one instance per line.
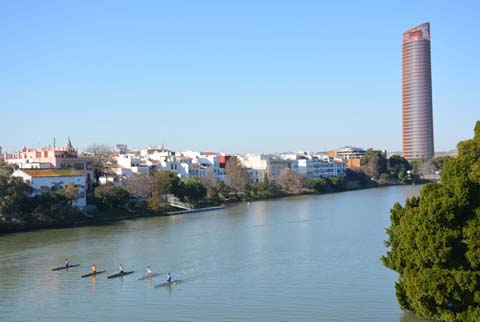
x=94 y=268
x=148 y=271
x=67 y=263
x=120 y=268
x=169 y=278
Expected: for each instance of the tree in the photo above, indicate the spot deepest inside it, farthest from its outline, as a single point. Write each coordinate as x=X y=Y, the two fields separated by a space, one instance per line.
x=13 y=195
x=438 y=162
x=265 y=188
x=139 y=186
x=290 y=181
x=194 y=190
x=71 y=192
x=236 y=176
x=434 y=241
x=397 y=165
x=211 y=184
x=102 y=154
x=165 y=182
x=111 y=196
x=223 y=189
x=374 y=163
x=6 y=169
x=155 y=203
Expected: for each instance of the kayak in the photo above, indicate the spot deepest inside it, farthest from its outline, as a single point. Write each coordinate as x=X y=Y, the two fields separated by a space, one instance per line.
x=64 y=267
x=120 y=274
x=94 y=273
x=164 y=284
x=149 y=276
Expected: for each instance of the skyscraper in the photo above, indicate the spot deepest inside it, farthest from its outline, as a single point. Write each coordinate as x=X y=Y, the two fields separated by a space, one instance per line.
x=417 y=122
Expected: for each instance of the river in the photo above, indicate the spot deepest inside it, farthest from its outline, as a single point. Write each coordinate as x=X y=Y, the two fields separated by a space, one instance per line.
x=307 y=258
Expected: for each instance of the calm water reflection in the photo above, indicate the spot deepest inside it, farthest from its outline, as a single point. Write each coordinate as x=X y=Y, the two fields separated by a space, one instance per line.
x=312 y=258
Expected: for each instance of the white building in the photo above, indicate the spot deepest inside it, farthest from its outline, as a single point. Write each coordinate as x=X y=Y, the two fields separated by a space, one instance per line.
x=156 y=153
x=348 y=152
x=41 y=179
x=208 y=161
x=311 y=166
x=315 y=167
x=260 y=165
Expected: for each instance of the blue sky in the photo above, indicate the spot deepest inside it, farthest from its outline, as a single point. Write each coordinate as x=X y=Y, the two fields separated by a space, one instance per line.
x=233 y=76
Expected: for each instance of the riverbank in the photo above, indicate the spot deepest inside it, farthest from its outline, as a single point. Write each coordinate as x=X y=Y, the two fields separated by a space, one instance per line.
x=105 y=217
x=332 y=243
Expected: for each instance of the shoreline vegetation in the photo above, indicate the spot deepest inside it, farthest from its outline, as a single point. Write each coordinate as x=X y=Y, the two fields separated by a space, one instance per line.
x=23 y=210
x=434 y=242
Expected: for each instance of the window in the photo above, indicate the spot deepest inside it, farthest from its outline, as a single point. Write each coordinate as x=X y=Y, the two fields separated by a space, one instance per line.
x=89 y=165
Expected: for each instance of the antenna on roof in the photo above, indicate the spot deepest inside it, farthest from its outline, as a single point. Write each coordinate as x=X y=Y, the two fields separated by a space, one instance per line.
x=54 y=143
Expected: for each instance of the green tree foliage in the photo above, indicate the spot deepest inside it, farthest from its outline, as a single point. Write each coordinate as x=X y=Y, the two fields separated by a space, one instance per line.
x=6 y=169
x=110 y=196
x=222 y=189
x=71 y=192
x=392 y=170
x=434 y=242
x=194 y=191
x=20 y=209
x=374 y=163
x=398 y=166
x=166 y=182
x=156 y=204
x=438 y=162
x=212 y=187
x=265 y=188
x=13 y=194
x=327 y=185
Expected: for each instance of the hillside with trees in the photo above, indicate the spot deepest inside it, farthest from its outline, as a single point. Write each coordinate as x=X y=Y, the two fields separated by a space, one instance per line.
x=434 y=241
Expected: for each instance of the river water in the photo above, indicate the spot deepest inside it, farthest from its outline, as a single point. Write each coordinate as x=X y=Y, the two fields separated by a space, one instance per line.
x=309 y=258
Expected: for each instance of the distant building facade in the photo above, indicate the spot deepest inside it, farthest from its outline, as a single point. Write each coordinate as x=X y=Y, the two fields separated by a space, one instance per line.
x=65 y=157
x=317 y=168
x=417 y=120
x=265 y=166
x=40 y=179
x=350 y=154
x=121 y=148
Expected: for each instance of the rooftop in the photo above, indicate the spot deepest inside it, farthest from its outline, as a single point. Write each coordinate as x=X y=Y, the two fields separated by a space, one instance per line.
x=52 y=172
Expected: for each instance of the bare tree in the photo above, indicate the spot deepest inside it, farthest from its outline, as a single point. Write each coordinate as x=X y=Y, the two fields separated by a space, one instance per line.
x=209 y=181
x=291 y=181
x=138 y=186
x=236 y=177
x=211 y=184
x=101 y=154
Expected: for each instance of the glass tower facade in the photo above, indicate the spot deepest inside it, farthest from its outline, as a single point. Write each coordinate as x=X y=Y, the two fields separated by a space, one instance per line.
x=417 y=121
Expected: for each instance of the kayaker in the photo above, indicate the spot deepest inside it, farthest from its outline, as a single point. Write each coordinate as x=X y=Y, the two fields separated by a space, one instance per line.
x=94 y=268
x=169 y=278
x=148 y=271
x=120 y=268
x=66 y=262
